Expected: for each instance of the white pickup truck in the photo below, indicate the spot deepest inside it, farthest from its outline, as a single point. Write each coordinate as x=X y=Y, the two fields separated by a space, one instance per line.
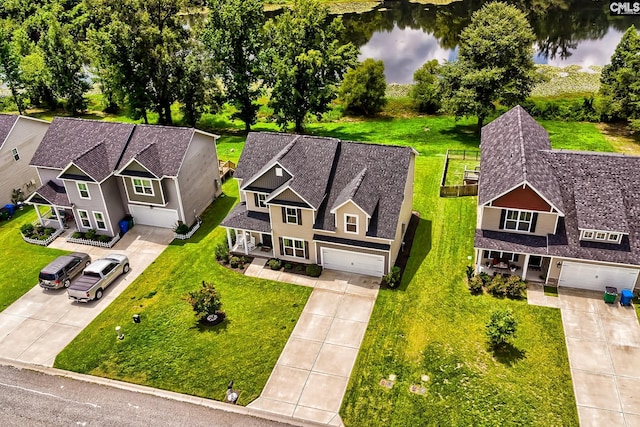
x=97 y=276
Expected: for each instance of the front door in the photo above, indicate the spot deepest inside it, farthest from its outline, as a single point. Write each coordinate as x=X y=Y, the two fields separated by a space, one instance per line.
x=266 y=241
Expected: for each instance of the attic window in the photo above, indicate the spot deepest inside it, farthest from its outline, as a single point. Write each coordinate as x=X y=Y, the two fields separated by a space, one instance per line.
x=278 y=171
x=600 y=236
x=15 y=154
x=351 y=223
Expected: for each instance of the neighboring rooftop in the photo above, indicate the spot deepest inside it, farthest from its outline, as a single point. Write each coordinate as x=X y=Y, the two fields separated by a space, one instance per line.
x=6 y=124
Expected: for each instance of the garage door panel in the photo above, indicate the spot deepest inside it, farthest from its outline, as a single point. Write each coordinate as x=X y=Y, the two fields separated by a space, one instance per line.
x=157 y=217
x=353 y=262
x=596 y=277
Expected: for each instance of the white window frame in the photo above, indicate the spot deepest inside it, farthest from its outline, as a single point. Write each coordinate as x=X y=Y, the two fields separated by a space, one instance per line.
x=15 y=154
x=289 y=215
x=514 y=224
x=85 y=218
x=347 y=224
x=293 y=247
x=601 y=236
x=86 y=190
x=613 y=237
x=279 y=172
x=262 y=197
x=587 y=235
x=513 y=256
x=143 y=187
x=98 y=221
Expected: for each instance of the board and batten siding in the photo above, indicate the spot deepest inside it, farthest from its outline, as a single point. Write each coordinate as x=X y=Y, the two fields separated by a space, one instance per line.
x=545 y=224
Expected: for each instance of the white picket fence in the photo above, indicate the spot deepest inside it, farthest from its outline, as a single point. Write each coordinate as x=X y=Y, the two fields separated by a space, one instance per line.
x=108 y=244
x=43 y=242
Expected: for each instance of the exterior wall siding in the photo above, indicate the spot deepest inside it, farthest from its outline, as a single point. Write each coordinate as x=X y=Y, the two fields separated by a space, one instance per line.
x=304 y=232
x=74 y=170
x=405 y=212
x=350 y=209
x=26 y=135
x=491 y=221
x=270 y=180
x=288 y=196
x=156 y=199
x=251 y=202
x=47 y=175
x=199 y=178
x=115 y=210
x=112 y=212
x=523 y=198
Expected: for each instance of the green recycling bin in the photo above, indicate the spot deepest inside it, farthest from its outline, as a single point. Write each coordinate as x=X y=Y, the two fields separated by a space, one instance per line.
x=610 y=294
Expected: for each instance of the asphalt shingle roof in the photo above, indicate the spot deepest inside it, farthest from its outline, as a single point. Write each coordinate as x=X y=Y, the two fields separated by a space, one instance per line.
x=6 y=123
x=241 y=218
x=54 y=194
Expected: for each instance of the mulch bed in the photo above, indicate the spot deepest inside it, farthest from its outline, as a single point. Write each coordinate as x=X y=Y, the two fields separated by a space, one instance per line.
x=403 y=256
x=238 y=270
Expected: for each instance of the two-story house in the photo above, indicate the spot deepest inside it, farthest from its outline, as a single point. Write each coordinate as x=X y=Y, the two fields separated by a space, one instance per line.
x=340 y=204
x=566 y=218
x=19 y=139
x=101 y=171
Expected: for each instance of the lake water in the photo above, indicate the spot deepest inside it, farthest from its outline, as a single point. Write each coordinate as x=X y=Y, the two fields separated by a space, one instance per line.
x=405 y=35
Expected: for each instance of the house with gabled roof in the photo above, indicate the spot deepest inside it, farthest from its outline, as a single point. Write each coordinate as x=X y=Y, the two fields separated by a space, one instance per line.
x=565 y=218
x=340 y=204
x=99 y=172
x=19 y=139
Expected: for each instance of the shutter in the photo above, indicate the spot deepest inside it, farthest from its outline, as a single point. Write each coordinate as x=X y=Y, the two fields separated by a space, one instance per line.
x=306 y=249
x=255 y=199
x=534 y=220
x=284 y=215
x=281 y=245
x=503 y=215
x=299 y=216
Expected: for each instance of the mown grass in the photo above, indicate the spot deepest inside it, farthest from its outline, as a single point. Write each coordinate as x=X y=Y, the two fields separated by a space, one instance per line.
x=21 y=262
x=168 y=349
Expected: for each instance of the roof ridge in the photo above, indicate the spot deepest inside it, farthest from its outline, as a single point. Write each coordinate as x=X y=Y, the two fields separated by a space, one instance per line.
x=286 y=149
x=521 y=136
x=357 y=181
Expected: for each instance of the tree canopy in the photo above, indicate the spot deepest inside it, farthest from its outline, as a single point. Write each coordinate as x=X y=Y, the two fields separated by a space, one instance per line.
x=495 y=63
x=424 y=92
x=364 y=88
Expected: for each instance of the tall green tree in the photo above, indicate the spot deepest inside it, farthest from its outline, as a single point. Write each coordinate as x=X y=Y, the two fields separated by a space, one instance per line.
x=495 y=63
x=136 y=46
x=364 y=88
x=304 y=61
x=233 y=37
x=620 y=80
x=424 y=92
x=10 y=72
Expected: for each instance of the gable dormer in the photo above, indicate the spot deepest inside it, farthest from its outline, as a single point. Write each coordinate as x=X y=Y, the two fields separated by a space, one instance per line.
x=141 y=185
x=271 y=178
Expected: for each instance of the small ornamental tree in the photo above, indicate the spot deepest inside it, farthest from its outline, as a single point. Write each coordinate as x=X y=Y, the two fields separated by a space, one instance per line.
x=425 y=88
x=501 y=328
x=364 y=87
x=205 y=301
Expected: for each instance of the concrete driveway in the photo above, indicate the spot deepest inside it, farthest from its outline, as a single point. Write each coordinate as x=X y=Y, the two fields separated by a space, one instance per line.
x=36 y=327
x=603 y=342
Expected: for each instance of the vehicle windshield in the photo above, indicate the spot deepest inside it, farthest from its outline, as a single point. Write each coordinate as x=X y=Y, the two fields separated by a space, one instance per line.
x=92 y=274
x=47 y=276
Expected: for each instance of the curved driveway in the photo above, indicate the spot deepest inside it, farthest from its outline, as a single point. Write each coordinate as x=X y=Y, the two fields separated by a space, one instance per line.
x=36 y=327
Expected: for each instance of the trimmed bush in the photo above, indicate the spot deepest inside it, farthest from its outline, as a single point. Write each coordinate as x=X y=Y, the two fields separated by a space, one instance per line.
x=497 y=286
x=221 y=252
x=288 y=266
x=314 y=270
x=469 y=272
x=515 y=287
x=234 y=261
x=181 y=228
x=204 y=301
x=275 y=264
x=501 y=328
x=392 y=279
x=27 y=229
x=90 y=234
x=475 y=285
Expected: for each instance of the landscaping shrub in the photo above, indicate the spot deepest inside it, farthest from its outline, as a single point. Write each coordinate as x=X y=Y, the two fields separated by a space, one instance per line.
x=475 y=285
x=275 y=264
x=299 y=268
x=392 y=279
x=501 y=328
x=497 y=286
x=485 y=278
x=469 y=272
x=514 y=287
x=314 y=270
x=288 y=266
x=221 y=252
x=27 y=229
x=181 y=228
x=205 y=301
x=77 y=235
x=104 y=239
x=90 y=234
x=234 y=261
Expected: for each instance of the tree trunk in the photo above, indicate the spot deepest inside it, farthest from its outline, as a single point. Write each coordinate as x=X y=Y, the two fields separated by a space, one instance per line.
x=299 y=125
x=18 y=102
x=144 y=116
x=480 y=122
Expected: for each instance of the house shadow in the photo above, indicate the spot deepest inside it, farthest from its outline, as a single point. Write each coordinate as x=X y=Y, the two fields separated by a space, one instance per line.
x=417 y=245
x=508 y=354
x=211 y=218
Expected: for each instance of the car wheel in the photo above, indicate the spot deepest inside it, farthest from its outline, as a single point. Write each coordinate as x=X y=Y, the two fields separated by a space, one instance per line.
x=125 y=269
x=67 y=283
x=99 y=294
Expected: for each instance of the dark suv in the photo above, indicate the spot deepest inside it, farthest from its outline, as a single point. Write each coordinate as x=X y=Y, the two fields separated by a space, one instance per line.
x=62 y=270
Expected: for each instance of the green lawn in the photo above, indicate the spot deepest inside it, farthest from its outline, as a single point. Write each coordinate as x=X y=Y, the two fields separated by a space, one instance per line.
x=168 y=350
x=21 y=261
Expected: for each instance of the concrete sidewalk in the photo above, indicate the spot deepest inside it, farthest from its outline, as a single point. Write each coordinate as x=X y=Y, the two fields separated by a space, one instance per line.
x=36 y=327
x=311 y=376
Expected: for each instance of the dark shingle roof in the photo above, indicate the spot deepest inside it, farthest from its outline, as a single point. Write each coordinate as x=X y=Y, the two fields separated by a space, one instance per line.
x=160 y=149
x=512 y=152
x=53 y=194
x=70 y=140
x=351 y=242
x=327 y=172
x=240 y=217
x=6 y=123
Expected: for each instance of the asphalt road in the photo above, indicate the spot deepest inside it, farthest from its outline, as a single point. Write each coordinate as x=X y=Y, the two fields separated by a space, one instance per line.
x=30 y=398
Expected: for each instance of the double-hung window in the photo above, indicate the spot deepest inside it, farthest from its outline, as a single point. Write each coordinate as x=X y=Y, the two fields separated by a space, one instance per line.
x=293 y=247
x=142 y=186
x=518 y=220
x=83 y=189
x=351 y=223
x=15 y=154
x=84 y=218
x=261 y=200
x=291 y=216
x=100 y=222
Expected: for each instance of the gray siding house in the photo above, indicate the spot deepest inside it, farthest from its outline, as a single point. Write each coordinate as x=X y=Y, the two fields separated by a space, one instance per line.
x=340 y=204
x=98 y=172
x=19 y=139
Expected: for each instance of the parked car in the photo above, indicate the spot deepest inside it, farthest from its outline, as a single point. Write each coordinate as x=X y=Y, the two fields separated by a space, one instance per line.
x=62 y=270
x=97 y=277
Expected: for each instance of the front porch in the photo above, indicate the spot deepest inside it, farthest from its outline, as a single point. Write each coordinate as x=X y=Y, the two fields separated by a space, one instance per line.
x=533 y=268
x=52 y=205
x=251 y=243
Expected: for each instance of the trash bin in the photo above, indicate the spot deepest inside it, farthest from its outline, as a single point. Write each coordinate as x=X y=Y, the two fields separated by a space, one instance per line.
x=610 y=294
x=124 y=226
x=626 y=296
x=11 y=208
x=129 y=219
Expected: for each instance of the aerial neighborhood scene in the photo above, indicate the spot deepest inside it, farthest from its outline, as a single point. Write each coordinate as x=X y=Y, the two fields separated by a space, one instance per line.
x=319 y=212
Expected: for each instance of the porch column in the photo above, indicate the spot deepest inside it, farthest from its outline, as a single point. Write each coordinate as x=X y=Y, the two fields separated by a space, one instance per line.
x=38 y=213
x=229 y=240
x=478 y=261
x=59 y=219
x=525 y=267
x=246 y=242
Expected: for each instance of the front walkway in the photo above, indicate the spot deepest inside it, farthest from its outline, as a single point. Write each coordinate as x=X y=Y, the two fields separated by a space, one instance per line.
x=603 y=345
x=311 y=376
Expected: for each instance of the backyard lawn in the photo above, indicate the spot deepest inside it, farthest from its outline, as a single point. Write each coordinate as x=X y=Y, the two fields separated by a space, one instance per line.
x=168 y=349
x=20 y=261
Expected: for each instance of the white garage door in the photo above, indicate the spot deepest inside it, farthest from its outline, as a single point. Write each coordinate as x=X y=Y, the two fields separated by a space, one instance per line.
x=596 y=277
x=158 y=217
x=353 y=262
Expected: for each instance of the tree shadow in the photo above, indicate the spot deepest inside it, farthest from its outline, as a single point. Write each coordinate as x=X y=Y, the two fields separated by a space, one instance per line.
x=508 y=354
x=417 y=247
x=217 y=329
